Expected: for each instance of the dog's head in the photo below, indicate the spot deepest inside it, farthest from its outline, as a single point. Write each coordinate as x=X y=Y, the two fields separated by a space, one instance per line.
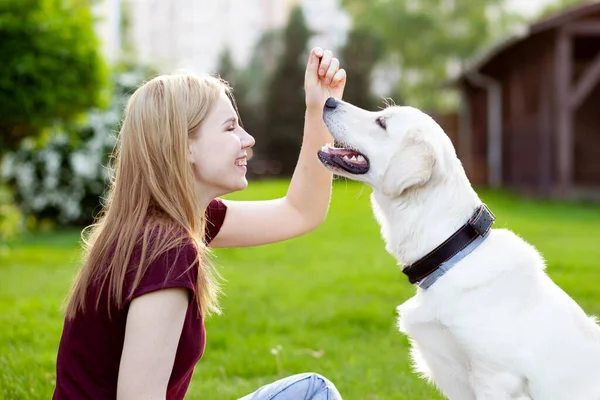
x=391 y=150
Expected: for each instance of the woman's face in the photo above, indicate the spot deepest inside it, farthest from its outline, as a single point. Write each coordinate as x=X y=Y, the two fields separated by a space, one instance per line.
x=218 y=151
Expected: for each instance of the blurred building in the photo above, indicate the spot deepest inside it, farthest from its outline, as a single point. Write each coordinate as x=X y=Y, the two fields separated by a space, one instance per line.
x=529 y=118
x=108 y=16
x=191 y=34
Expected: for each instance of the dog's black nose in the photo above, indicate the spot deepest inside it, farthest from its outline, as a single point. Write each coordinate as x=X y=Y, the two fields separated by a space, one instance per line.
x=331 y=103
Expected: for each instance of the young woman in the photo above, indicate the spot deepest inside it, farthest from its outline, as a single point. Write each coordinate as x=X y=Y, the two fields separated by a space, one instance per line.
x=134 y=326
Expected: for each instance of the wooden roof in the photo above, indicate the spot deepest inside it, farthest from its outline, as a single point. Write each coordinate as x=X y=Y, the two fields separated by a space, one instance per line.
x=525 y=32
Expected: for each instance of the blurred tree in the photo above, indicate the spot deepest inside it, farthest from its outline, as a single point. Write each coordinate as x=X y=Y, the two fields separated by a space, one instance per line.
x=51 y=69
x=558 y=6
x=285 y=101
x=263 y=63
x=359 y=57
x=62 y=180
x=249 y=115
x=431 y=39
x=250 y=88
x=226 y=68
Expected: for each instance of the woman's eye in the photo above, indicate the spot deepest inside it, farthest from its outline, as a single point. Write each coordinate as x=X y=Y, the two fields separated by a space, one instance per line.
x=231 y=128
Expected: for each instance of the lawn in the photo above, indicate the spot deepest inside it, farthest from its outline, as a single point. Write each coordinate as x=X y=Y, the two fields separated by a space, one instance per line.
x=325 y=302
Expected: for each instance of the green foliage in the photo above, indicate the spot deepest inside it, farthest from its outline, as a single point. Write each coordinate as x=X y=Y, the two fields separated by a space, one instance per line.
x=255 y=77
x=429 y=38
x=60 y=179
x=359 y=57
x=558 y=6
x=285 y=98
x=51 y=67
x=250 y=113
x=11 y=218
x=251 y=85
x=226 y=67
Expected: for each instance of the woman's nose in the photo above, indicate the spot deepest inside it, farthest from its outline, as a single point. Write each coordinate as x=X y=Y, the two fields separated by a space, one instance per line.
x=247 y=140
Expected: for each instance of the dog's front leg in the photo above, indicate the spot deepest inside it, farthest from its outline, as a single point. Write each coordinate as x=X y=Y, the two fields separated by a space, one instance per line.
x=437 y=357
x=444 y=372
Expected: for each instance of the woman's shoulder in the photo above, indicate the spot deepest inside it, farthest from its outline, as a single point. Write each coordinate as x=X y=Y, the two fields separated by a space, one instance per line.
x=215 y=216
x=216 y=208
x=170 y=261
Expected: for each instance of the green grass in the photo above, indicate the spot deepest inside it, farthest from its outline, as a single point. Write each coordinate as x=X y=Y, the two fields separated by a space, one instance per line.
x=328 y=299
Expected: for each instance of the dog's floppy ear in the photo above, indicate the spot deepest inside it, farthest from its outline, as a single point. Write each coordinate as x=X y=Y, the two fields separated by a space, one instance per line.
x=411 y=165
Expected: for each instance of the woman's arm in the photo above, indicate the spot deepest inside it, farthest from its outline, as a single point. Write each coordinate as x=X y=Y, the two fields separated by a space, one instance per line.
x=304 y=207
x=154 y=325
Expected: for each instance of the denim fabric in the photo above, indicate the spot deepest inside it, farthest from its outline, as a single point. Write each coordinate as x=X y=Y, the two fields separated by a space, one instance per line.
x=307 y=386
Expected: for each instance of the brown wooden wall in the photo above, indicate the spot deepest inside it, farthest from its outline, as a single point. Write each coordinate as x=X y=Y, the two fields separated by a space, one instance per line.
x=526 y=73
x=529 y=75
x=477 y=166
x=586 y=141
x=449 y=123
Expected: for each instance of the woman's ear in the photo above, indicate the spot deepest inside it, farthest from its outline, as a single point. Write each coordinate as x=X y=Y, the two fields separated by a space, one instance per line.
x=190 y=153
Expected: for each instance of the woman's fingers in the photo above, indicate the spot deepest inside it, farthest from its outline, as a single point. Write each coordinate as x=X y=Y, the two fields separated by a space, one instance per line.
x=325 y=61
x=334 y=67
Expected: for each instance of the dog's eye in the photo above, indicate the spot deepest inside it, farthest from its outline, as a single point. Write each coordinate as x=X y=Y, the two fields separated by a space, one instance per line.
x=381 y=122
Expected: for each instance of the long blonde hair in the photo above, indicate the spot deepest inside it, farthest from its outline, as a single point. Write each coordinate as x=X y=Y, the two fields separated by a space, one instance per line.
x=152 y=200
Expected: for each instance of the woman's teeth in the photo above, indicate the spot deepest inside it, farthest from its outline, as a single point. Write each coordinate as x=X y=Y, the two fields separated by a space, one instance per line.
x=240 y=162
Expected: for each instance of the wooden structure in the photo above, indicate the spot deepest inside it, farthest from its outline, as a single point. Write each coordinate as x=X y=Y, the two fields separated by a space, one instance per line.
x=530 y=115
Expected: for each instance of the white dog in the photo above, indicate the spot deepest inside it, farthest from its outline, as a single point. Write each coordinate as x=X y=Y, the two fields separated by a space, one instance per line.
x=488 y=323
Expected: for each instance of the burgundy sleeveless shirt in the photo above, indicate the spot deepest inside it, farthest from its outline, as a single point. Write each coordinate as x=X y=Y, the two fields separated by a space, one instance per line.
x=89 y=353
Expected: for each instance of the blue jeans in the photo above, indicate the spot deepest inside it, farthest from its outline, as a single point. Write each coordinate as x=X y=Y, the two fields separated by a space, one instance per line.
x=307 y=386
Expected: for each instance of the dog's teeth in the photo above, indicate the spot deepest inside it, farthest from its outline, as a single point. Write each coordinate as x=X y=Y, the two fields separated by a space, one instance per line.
x=353 y=158
x=346 y=158
x=360 y=158
x=325 y=149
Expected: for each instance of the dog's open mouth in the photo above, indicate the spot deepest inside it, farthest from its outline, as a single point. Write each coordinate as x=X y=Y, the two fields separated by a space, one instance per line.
x=342 y=157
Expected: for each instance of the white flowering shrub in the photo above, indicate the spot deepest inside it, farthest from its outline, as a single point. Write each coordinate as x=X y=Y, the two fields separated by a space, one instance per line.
x=64 y=179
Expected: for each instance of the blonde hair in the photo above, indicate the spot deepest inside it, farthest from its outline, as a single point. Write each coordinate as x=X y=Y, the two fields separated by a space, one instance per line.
x=152 y=200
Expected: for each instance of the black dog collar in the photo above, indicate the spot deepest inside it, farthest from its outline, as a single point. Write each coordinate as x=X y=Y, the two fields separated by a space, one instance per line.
x=478 y=225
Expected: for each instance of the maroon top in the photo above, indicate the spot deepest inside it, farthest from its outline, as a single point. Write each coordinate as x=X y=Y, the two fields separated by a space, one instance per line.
x=89 y=354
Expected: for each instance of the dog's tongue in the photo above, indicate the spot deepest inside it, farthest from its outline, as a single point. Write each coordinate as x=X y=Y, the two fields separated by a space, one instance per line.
x=342 y=152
